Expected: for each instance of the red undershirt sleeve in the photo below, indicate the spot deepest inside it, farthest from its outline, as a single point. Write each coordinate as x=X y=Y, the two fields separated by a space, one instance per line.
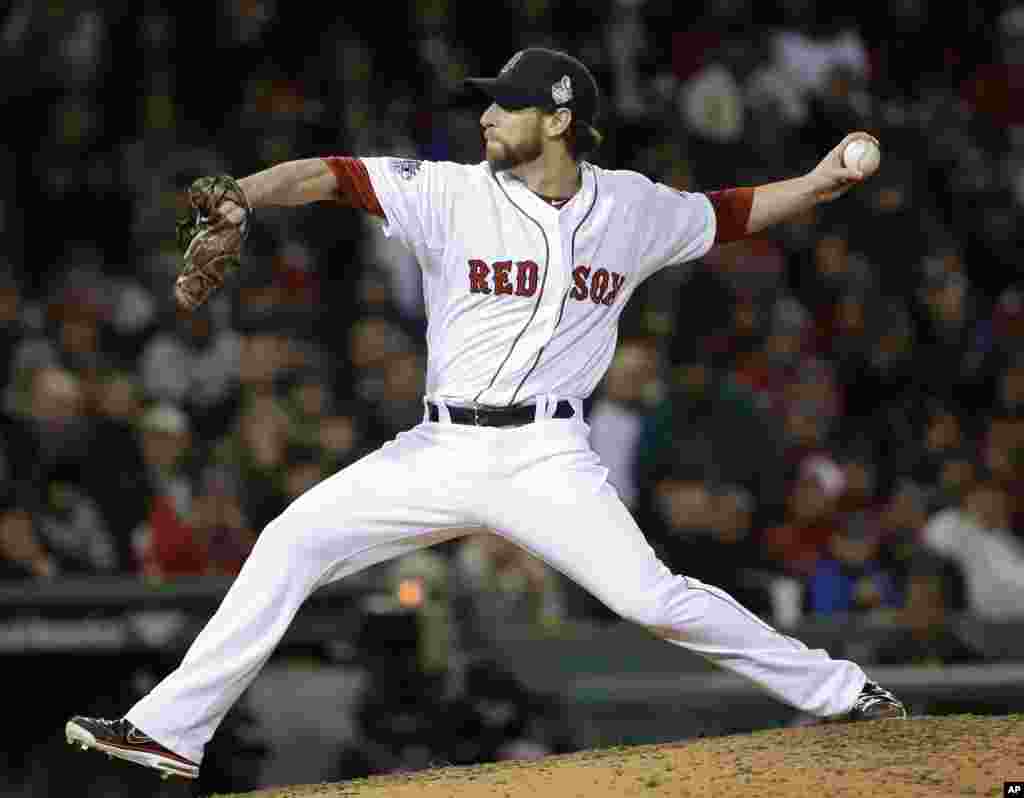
x=354 y=186
x=732 y=212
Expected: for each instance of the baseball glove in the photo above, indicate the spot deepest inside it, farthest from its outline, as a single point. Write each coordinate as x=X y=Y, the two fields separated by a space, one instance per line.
x=211 y=238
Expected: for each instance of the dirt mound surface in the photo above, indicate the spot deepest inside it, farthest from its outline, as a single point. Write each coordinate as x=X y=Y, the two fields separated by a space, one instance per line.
x=922 y=756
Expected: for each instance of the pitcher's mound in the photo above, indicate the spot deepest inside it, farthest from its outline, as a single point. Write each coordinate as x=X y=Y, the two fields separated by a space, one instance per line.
x=924 y=756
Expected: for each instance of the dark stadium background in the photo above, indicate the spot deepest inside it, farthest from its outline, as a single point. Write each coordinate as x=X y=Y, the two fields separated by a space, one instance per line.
x=827 y=421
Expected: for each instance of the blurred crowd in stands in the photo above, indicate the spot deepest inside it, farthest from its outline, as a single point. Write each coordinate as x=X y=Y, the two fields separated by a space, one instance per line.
x=838 y=403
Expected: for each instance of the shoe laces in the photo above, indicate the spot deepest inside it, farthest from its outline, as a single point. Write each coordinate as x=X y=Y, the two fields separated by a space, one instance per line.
x=873 y=694
x=121 y=727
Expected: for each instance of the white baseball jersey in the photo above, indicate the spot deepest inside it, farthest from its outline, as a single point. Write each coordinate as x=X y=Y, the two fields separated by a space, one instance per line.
x=523 y=298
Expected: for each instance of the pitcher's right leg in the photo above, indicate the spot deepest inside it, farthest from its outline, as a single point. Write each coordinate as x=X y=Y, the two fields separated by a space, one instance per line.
x=183 y=711
x=385 y=505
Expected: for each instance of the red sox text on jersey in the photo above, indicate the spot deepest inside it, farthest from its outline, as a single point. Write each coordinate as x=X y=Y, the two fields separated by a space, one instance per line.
x=519 y=278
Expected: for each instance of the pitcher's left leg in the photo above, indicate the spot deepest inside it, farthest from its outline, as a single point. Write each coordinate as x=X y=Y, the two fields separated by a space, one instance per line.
x=575 y=521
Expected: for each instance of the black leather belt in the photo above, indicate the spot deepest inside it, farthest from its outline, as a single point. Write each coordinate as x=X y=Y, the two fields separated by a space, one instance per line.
x=497 y=416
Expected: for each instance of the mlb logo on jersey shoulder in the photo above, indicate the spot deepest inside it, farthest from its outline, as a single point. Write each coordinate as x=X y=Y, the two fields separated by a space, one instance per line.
x=406 y=168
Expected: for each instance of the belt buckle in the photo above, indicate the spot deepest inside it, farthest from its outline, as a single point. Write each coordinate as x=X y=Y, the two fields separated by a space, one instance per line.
x=476 y=415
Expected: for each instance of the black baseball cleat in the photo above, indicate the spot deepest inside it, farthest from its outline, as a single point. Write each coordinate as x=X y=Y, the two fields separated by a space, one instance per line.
x=875 y=703
x=119 y=738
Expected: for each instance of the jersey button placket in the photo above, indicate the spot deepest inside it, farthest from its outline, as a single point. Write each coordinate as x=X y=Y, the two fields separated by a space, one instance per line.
x=558 y=280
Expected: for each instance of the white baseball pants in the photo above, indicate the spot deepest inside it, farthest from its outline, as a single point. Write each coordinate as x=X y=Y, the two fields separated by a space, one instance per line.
x=542 y=487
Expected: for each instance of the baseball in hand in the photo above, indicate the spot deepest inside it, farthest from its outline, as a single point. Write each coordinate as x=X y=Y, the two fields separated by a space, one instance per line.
x=862 y=154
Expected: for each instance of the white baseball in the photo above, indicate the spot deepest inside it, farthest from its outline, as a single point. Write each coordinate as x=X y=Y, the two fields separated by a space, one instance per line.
x=863 y=154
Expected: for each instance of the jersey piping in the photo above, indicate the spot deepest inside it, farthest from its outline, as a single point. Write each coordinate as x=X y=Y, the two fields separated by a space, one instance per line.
x=540 y=294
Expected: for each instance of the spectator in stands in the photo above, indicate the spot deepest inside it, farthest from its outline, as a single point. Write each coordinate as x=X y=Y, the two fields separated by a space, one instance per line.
x=796 y=545
x=195 y=366
x=812 y=384
x=116 y=474
x=257 y=448
x=958 y=475
x=726 y=553
x=165 y=438
x=71 y=334
x=993 y=90
x=711 y=320
x=1003 y=453
x=268 y=354
x=631 y=387
x=12 y=327
x=373 y=340
x=842 y=103
x=120 y=398
x=711 y=101
x=833 y=271
x=805 y=427
x=975 y=535
x=705 y=531
x=79 y=339
x=860 y=479
x=893 y=345
x=1000 y=338
x=308 y=401
x=1010 y=389
x=22 y=553
x=734 y=511
x=843 y=329
x=880 y=397
x=213 y=538
x=294 y=269
x=924 y=636
x=708 y=416
x=52 y=427
x=394 y=267
x=284 y=291
x=133 y=317
x=261 y=427
x=946 y=333
x=810 y=48
x=1010 y=405
x=901 y=523
x=849 y=578
x=303 y=468
x=768 y=369
x=774 y=97
x=942 y=437
x=222 y=535
x=400 y=405
x=100 y=453
x=340 y=439
x=70 y=525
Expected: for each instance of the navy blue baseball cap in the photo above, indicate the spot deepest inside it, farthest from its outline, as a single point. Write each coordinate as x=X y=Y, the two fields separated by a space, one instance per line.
x=542 y=78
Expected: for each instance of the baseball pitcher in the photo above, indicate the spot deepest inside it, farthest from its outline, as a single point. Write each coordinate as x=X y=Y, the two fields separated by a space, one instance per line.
x=528 y=260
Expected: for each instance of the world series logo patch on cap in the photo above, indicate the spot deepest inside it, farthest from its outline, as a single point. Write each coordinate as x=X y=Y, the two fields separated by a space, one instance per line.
x=511 y=62
x=561 y=92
